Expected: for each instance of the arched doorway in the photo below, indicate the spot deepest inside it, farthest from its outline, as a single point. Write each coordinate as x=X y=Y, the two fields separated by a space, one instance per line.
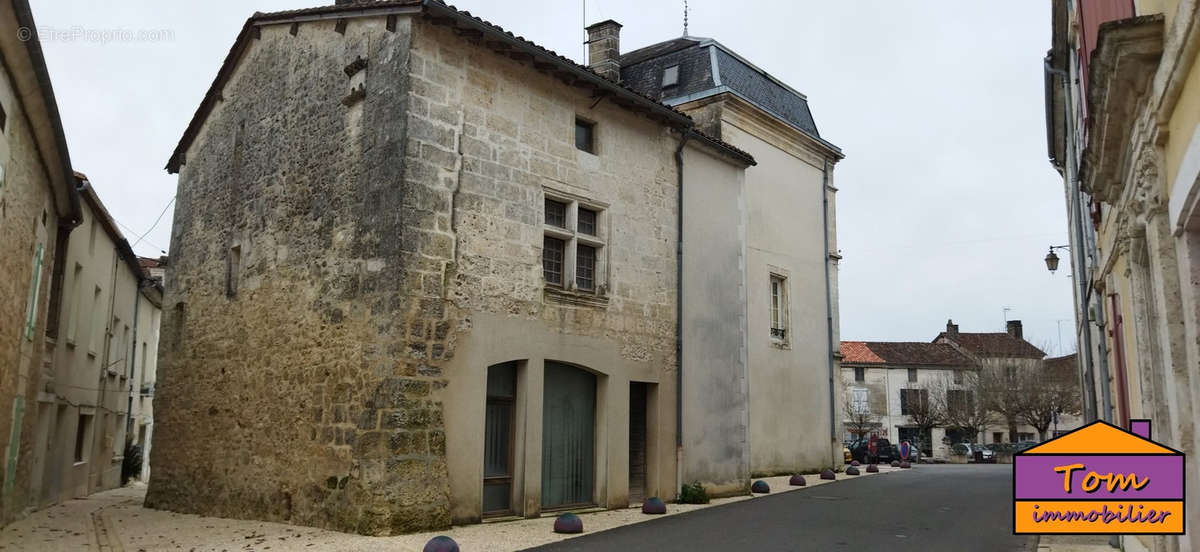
x=568 y=436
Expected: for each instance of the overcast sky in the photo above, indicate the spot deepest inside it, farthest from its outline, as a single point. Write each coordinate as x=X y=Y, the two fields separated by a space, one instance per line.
x=946 y=202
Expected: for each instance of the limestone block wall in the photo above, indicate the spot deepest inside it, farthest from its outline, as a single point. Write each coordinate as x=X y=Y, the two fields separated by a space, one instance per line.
x=489 y=139
x=360 y=199
x=302 y=332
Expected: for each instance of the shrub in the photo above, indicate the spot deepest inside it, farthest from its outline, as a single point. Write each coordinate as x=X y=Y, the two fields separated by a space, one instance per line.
x=693 y=493
x=959 y=449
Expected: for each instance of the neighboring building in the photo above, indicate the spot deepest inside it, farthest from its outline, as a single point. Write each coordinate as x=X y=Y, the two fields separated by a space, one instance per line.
x=105 y=346
x=1123 y=126
x=885 y=378
x=156 y=268
x=38 y=209
x=791 y=244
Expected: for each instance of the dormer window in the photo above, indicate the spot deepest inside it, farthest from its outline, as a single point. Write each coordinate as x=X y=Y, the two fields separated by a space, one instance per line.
x=670 y=76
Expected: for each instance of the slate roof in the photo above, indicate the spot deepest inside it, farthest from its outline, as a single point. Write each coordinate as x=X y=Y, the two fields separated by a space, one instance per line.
x=998 y=344
x=707 y=67
x=441 y=11
x=902 y=353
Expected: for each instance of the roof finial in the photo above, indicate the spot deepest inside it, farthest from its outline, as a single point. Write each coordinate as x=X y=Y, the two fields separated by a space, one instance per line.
x=685 y=17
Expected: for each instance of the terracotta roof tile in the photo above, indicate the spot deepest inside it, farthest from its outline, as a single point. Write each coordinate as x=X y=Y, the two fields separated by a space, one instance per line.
x=902 y=353
x=994 y=344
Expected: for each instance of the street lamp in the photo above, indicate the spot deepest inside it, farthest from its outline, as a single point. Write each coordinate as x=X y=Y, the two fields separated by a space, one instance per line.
x=1052 y=259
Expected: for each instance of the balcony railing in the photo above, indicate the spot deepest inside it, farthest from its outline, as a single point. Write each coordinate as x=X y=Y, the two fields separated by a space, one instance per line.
x=778 y=333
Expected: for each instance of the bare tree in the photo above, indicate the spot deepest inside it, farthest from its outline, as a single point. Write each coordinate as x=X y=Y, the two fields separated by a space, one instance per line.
x=860 y=420
x=925 y=412
x=1002 y=387
x=965 y=409
x=1048 y=389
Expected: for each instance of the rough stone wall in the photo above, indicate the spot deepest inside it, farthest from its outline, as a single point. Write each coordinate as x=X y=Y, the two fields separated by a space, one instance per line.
x=307 y=395
x=27 y=218
x=360 y=238
x=491 y=134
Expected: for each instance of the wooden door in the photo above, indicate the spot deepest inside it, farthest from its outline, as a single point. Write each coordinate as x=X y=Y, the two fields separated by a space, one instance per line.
x=568 y=436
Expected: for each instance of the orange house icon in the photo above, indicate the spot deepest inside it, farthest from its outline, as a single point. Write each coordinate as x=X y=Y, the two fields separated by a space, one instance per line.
x=1099 y=479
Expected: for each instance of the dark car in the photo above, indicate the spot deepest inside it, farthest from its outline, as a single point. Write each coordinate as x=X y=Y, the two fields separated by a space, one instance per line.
x=885 y=451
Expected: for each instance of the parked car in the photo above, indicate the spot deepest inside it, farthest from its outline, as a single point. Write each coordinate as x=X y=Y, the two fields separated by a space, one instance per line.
x=1026 y=445
x=885 y=451
x=980 y=453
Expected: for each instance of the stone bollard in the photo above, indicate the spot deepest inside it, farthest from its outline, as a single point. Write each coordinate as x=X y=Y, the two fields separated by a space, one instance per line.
x=441 y=543
x=568 y=523
x=828 y=474
x=852 y=471
x=855 y=463
x=872 y=468
x=797 y=481
x=654 y=505
x=905 y=464
x=895 y=463
x=760 y=487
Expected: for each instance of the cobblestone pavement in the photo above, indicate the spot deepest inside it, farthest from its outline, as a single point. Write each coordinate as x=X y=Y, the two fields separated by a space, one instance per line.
x=115 y=521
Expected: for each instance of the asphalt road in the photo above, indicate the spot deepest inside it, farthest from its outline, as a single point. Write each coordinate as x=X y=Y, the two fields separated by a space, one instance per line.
x=931 y=508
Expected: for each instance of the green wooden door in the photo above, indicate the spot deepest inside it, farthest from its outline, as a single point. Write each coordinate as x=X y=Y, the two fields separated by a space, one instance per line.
x=568 y=436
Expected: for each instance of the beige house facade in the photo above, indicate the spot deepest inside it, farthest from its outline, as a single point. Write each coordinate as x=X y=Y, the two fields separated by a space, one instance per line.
x=463 y=278
x=789 y=227
x=106 y=344
x=38 y=209
x=1123 y=129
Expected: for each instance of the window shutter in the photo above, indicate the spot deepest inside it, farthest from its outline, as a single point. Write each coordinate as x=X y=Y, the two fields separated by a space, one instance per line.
x=34 y=291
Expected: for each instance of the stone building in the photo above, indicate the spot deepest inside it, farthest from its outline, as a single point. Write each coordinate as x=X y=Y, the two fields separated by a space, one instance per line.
x=791 y=246
x=447 y=268
x=38 y=209
x=90 y=402
x=438 y=263
x=1123 y=129
x=885 y=378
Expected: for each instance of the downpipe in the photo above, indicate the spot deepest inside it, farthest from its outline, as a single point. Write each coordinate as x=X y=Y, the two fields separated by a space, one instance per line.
x=679 y=311
x=833 y=436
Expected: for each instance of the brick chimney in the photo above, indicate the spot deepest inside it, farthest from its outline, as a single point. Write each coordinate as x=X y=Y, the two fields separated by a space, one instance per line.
x=604 y=49
x=951 y=329
x=1014 y=329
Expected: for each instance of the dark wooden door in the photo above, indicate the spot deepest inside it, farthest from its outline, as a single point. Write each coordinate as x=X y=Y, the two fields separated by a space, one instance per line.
x=637 y=441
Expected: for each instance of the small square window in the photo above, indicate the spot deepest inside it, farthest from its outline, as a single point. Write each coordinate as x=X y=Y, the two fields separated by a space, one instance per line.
x=585 y=135
x=912 y=375
x=670 y=76
x=587 y=221
x=860 y=374
x=585 y=267
x=552 y=260
x=556 y=213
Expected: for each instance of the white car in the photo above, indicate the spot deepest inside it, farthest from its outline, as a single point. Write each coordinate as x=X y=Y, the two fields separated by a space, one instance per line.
x=987 y=455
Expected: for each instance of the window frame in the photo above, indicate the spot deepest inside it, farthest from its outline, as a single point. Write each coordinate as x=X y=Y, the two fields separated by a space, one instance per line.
x=913 y=376
x=779 y=308
x=674 y=77
x=590 y=125
x=863 y=405
x=573 y=240
x=860 y=374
